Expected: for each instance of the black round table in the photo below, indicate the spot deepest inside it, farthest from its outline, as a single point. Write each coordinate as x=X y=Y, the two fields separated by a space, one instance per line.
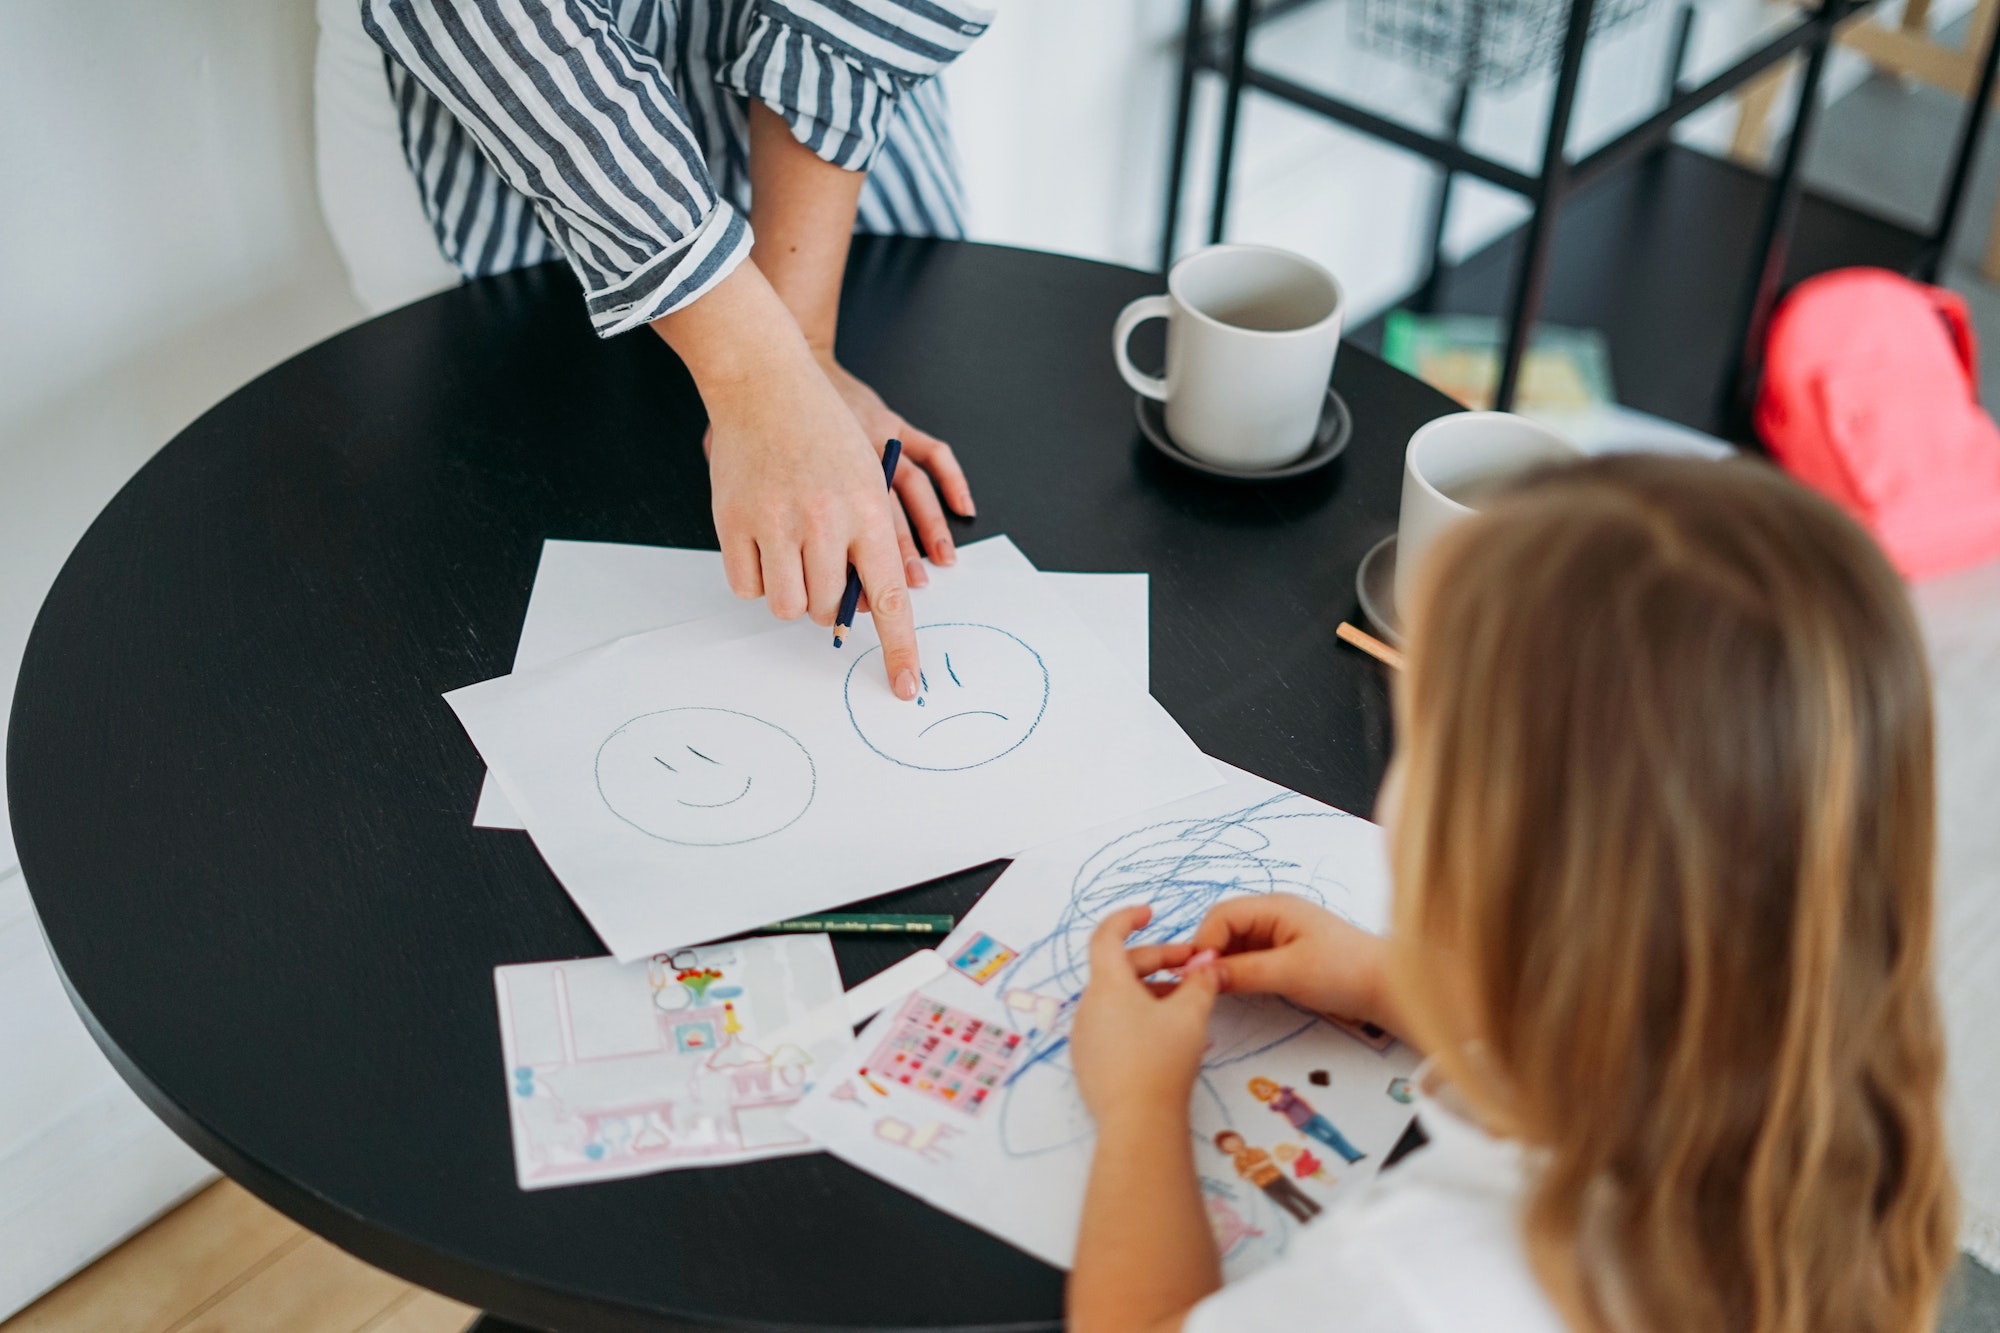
x=244 y=812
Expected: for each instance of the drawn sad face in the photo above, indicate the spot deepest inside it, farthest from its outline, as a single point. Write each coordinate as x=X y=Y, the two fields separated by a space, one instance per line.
x=705 y=777
x=981 y=694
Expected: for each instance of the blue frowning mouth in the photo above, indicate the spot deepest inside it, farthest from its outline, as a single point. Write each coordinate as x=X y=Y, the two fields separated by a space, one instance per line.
x=970 y=712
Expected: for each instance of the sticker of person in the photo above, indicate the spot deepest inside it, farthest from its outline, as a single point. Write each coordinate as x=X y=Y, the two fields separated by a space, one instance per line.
x=1255 y=1165
x=1304 y=1119
x=1304 y=1165
x=1228 y=1225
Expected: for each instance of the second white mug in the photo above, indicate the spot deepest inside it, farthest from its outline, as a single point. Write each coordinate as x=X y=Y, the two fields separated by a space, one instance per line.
x=1251 y=335
x=1454 y=464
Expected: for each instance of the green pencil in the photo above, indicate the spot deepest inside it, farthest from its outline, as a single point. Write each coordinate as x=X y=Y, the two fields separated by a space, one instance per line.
x=866 y=923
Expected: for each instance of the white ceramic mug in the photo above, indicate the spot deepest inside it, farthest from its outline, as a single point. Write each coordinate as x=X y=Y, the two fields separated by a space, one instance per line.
x=1251 y=333
x=1452 y=466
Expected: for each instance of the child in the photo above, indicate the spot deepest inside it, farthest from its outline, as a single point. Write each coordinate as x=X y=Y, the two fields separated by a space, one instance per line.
x=1661 y=827
x=1255 y=1165
x=1304 y=1165
x=1303 y=1118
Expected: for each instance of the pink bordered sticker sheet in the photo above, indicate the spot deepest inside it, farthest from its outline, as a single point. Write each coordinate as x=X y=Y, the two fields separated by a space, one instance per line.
x=690 y=1058
x=962 y=1094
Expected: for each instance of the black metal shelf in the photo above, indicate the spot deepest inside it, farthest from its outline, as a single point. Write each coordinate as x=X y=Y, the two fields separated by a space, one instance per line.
x=1655 y=255
x=1769 y=225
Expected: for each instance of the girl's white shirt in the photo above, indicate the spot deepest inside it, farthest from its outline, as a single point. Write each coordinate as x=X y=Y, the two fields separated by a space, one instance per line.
x=1433 y=1245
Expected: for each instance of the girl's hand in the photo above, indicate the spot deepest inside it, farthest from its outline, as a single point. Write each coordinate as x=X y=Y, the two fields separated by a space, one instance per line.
x=1137 y=1047
x=928 y=467
x=1277 y=944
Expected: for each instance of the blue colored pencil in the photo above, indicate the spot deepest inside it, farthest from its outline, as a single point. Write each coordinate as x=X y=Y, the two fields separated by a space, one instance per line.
x=892 y=453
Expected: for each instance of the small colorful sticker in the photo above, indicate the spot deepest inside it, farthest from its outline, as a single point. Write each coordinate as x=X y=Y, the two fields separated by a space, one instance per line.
x=983 y=958
x=1399 y=1091
x=1038 y=1012
x=1374 y=1038
x=698 y=1035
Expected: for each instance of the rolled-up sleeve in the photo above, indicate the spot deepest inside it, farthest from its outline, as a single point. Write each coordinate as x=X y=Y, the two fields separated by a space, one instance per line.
x=587 y=127
x=835 y=69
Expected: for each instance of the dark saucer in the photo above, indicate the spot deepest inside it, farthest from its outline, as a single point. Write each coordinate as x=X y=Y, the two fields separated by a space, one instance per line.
x=1336 y=427
x=1375 y=584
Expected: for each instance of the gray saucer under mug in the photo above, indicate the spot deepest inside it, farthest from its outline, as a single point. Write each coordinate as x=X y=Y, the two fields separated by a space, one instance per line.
x=1336 y=427
x=1375 y=585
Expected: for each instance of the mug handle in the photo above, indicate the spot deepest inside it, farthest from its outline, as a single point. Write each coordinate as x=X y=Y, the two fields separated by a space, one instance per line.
x=1130 y=318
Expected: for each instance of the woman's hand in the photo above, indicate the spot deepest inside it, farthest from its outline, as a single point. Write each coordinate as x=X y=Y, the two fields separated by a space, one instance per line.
x=1277 y=944
x=1137 y=1047
x=798 y=492
x=928 y=468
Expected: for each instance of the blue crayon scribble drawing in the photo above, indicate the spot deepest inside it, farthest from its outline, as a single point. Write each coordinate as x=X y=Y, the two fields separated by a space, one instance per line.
x=986 y=702
x=1182 y=867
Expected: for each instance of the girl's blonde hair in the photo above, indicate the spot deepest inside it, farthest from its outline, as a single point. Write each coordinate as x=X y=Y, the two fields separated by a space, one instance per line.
x=1663 y=850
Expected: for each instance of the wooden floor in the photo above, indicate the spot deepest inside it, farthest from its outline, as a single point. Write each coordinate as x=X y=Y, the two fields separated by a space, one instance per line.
x=224 y=1263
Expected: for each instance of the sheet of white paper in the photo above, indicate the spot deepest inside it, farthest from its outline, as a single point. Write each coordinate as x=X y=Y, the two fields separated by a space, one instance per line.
x=622 y=1069
x=963 y=1096
x=892 y=984
x=1118 y=607
x=683 y=794
x=589 y=593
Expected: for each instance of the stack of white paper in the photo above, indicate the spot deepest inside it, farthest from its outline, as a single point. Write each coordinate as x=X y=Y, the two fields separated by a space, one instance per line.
x=702 y=779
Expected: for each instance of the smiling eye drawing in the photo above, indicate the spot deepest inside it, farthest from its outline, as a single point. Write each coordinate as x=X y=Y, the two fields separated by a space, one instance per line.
x=705 y=777
x=982 y=692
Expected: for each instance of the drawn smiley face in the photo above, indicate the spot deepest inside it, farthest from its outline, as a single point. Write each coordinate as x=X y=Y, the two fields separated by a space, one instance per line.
x=705 y=777
x=982 y=692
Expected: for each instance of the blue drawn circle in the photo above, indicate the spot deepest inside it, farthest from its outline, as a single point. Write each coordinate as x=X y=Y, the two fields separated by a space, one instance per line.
x=950 y=681
x=594 y=1151
x=673 y=776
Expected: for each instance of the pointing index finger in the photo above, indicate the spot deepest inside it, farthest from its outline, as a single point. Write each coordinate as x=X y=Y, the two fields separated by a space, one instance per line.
x=880 y=565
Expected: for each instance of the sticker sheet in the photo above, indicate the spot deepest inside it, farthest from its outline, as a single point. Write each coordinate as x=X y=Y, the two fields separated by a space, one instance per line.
x=692 y=1058
x=963 y=1094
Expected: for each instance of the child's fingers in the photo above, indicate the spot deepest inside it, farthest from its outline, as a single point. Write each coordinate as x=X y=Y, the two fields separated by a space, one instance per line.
x=1108 y=965
x=1147 y=959
x=1201 y=981
x=1238 y=923
x=1259 y=972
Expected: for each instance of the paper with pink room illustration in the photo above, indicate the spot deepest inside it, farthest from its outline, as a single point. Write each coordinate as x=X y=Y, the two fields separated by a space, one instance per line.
x=684 y=1059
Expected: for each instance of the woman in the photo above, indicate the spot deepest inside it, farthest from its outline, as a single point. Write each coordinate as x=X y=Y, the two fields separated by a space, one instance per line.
x=632 y=137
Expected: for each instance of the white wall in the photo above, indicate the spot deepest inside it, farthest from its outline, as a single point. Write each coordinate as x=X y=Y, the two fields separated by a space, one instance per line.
x=160 y=244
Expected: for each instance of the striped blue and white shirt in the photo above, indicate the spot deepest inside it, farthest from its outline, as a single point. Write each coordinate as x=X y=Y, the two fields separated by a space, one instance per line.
x=616 y=132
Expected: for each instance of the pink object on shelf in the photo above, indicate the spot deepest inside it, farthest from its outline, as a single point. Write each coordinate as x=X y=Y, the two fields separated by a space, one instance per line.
x=1870 y=397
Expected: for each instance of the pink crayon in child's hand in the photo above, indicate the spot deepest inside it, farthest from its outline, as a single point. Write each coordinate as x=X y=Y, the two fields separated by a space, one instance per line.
x=1200 y=960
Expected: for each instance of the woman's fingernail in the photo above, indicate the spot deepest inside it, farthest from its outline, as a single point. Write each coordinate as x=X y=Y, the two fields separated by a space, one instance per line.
x=913 y=570
x=1202 y=959
x=906 y=684
x=944 y=554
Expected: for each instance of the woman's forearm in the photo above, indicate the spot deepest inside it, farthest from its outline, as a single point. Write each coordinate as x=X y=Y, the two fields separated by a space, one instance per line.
x=1144 y=1253
x=802 y=211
